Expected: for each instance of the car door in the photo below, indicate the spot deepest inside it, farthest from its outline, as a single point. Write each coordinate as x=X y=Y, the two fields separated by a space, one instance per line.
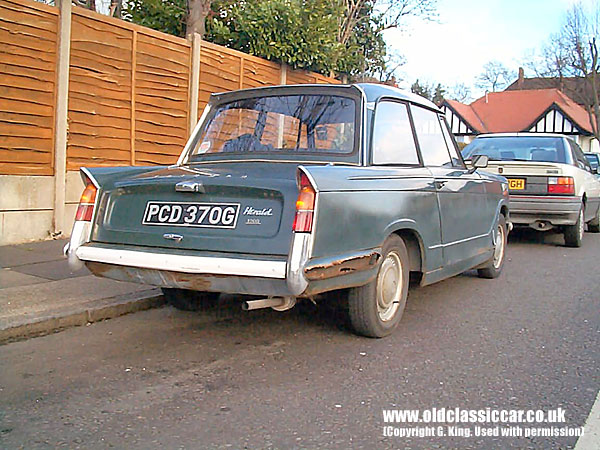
x=591 y=183
x=466 y=218
x=410 y=196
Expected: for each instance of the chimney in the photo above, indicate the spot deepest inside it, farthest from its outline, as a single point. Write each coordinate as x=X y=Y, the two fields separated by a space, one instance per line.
x=486 y=97
x=521 y=80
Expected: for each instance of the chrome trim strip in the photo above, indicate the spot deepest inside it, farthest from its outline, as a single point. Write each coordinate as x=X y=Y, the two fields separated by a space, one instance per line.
x=183 y=158
x=91 y=178
x=461 y=241
x=363 y=155
x=185 y=263
x=299 y=254
x=79 y=236
x=265 y=160
x=82 y=230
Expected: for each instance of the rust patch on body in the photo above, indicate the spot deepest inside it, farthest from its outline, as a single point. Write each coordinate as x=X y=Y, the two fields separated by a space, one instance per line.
x=342 y=266
x=149 y=276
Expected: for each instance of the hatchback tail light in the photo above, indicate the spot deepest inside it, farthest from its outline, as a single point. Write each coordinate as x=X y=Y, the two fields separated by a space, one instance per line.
x=86 y=203
x=561 y=185
x=305 y=205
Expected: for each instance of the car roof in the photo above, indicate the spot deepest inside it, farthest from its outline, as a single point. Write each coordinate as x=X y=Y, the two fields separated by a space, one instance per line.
x=372 y=91
x=521 y=134
x=375 y=92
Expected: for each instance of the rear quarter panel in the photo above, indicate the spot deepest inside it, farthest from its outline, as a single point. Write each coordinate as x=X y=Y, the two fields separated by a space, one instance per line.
x=358 y=207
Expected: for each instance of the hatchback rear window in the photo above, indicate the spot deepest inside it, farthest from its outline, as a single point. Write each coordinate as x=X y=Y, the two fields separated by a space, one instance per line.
x=519 y=148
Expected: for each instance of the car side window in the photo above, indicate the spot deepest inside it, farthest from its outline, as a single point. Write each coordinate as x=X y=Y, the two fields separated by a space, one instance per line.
x=393 y=140
x=431 y=139
x=582 y=161
x=456 y=160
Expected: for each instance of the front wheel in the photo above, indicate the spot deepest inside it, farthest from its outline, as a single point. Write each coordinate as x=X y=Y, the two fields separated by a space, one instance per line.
x=493 y=268
x=376 y=308
x=574 y=233
x=187 y=300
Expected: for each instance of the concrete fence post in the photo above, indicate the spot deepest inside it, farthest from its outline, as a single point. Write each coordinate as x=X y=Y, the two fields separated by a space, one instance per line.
x=283 y=73
x=194 y=80
x=281 y=121
x=61 y=112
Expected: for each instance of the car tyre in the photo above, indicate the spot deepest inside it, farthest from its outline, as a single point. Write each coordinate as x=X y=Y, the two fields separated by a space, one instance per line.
x=493 y=267
x=594 y=224
x=376 y=308
x=574 y=233
x=188 y=300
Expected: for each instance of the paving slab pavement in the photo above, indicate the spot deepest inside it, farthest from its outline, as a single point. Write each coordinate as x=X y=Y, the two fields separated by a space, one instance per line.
x=40 y=294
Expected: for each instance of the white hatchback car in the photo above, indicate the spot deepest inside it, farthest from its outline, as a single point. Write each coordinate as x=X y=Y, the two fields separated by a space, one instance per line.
x=551 y=183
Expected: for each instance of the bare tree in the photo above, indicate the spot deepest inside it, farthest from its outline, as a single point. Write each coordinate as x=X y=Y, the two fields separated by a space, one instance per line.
x=387 y=14
x=581 y=34
x=459 y=92
x=573 y=52
x=495 y=76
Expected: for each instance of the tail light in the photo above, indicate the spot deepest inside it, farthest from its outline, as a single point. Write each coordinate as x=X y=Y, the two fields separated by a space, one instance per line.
x=561 y=185
x=86 y=203
x=305 y=206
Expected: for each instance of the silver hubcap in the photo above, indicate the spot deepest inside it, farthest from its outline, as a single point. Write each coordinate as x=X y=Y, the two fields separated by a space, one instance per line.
x=581 y=224
x=389 y=286
x=499 y=245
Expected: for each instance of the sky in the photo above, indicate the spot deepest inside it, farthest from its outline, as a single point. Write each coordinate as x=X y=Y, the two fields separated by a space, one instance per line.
x=469 y=33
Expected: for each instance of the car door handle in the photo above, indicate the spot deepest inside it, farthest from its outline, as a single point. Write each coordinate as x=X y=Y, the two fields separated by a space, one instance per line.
x=439 y=184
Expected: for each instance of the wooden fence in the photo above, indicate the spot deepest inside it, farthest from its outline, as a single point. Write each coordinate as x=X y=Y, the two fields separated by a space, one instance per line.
x=27 y=87
x=133 y=93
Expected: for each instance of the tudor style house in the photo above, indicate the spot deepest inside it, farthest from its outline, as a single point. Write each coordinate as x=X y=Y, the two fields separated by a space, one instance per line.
x=535 y=110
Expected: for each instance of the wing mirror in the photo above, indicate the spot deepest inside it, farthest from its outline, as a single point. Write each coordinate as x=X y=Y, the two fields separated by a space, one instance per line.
x=479 y=162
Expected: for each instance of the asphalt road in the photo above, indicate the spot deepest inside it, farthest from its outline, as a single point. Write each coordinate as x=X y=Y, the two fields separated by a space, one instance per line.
x=299 y=379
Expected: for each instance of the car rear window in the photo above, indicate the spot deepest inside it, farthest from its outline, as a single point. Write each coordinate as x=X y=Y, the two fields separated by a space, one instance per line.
x=291 y=124
x=519 y=148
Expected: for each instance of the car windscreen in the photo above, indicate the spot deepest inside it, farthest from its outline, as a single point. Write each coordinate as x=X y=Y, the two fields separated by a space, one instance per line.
x=593 y=159
x=279 y=125
x=519 y=148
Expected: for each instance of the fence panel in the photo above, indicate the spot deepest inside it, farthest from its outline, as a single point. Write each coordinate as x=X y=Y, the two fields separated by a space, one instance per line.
x=99 y=92
x=220 y=70
x=129 y=88
x=28 y=32
x=161 y=98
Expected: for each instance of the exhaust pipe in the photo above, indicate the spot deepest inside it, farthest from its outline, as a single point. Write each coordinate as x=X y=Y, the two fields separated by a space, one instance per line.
x=277 y=303
x=541 y=225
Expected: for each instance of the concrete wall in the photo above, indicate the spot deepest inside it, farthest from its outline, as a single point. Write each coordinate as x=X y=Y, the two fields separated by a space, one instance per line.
x=27 y=207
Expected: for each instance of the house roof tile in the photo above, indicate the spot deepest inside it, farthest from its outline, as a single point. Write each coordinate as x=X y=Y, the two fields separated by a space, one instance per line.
x=514 y=111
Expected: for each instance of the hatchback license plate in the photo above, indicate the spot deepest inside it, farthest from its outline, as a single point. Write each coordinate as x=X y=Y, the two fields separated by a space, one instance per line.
x=516 y=184
x=187 y=214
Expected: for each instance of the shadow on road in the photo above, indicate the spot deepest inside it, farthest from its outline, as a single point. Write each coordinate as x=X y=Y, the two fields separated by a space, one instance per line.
x=529 y=236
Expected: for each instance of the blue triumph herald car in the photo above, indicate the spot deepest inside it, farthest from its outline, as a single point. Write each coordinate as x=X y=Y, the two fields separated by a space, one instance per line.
x=288 y=192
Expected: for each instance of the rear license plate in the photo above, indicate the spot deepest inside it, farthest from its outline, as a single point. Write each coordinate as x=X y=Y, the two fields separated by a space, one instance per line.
x=187 y=214
x=516 y=184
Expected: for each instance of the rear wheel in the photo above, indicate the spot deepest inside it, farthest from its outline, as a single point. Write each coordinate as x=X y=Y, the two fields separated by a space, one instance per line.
x=188 y=300
x=493 y=268
x=376 y=308
x=594 y=224
x=574 y=233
